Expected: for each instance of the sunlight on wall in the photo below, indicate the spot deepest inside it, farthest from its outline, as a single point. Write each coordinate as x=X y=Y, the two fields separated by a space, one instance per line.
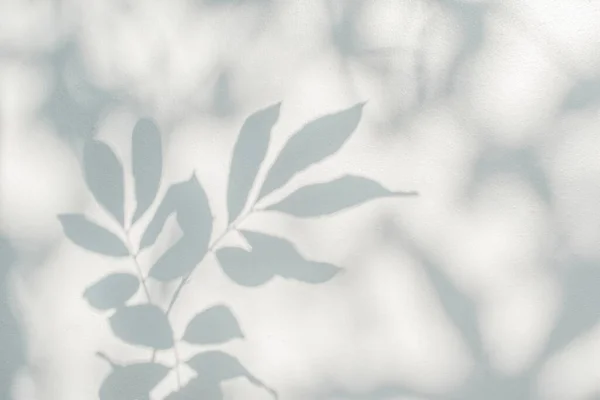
x=487 y=109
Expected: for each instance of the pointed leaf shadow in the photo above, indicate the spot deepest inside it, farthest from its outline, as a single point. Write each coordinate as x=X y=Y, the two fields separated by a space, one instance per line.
x=178 y=261
x=133 y=381
x=147 y=162
x=143 y=325
x=248 y=154
x=193 y=213
x=285 y=259
x=112 y=291
x=198 y=388
x=190 y=204
x=215 y=325
x=104 y=176
x=92 y=237
x=243 y=267
x=330 y=197
x=271 y=256
x=314 y=142
x=217 y=366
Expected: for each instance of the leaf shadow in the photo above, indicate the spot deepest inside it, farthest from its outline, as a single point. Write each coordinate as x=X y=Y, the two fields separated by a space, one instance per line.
x=189 y=202
x=326 y=198
x=214 y=325
x=112 y=291
x=103 y=173
x=133 y=381
x=146 y=164
x=214 y=367
x=143 y=325
x=198 y=388
x=248 y=154
x=179 y=260
x=580 y=313
x=314 y=142
x=92 y=237
x=271 y=256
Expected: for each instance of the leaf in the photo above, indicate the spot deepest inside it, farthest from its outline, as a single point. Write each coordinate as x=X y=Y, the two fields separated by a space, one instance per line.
x=215 y=325
x=112 y=291
x=104 y=176
x=314 y=142
x=132 y=382
x=271 y=256
x=178 y=260
x=146 y=158
x=330 y=197
x=143 y=325
x=248 y=154
x=196 y=389
x=92 y=237
x=217 y=366
x=189 y=201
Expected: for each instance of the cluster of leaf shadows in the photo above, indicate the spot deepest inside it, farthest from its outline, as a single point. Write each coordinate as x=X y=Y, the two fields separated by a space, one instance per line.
x=147 y=325
x=578 y=315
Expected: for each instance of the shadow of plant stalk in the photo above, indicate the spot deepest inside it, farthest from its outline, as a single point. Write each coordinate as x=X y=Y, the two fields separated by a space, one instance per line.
x=147 y=325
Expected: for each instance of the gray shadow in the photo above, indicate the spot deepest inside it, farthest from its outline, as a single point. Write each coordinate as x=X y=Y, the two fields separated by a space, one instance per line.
x=271 y=256
x=522 y=162
x=579 y=314
x=12 y=346
x=74 y=105
x=381 y=393
x=584 y=93
x=223 y=103
x=580 y=310
x=471 y=18
x=147 y=325
x=314 y=142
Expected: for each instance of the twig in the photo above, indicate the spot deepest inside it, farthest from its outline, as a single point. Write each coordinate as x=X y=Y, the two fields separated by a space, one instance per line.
x=231 y=227
x=138 y=267
x=234 y=225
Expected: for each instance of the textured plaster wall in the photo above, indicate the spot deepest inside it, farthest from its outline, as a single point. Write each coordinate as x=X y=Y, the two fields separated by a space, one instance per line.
x=484 y=286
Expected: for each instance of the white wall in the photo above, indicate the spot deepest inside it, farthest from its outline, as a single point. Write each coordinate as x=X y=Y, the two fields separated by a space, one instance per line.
x=488 y=109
